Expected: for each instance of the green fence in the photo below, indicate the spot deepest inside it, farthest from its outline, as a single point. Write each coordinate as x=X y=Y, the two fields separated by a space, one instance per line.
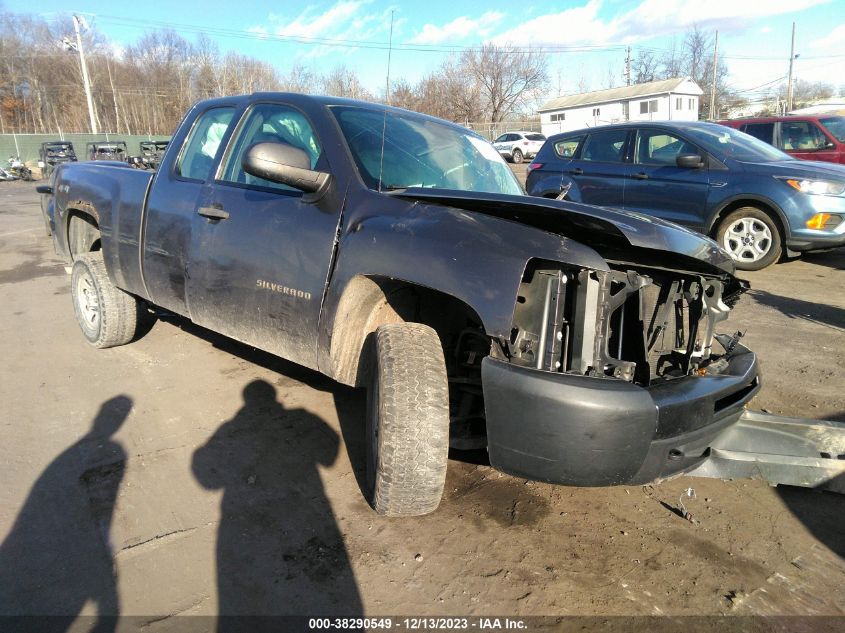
x=26 y=146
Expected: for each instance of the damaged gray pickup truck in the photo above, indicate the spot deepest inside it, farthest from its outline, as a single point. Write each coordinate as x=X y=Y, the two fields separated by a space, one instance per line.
x=395 y=251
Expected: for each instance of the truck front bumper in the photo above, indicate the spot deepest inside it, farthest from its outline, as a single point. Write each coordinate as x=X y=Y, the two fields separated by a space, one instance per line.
x=588 y=431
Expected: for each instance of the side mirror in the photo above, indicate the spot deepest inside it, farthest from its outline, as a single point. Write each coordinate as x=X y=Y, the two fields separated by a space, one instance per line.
x=689 y=161
x=46 y=189
x=285 y=164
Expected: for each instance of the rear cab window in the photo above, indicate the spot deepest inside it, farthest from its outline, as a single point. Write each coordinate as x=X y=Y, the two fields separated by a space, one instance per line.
x=204 y=143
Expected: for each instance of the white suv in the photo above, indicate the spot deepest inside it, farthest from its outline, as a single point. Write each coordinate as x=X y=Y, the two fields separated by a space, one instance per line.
x=514 y=146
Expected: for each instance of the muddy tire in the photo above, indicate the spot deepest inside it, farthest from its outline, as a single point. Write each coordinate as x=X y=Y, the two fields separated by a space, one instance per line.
x=752 y=238
x=517 y=156
x=107 y=315
x=407 y=420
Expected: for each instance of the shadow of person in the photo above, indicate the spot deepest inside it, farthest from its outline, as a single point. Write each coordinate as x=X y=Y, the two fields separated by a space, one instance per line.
x=57 y=555
x=279 y=549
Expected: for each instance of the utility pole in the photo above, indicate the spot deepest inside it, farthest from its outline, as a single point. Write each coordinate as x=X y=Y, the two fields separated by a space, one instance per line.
x=713 y=85
x=789 y=83
x=628 y=67
x=85 y=81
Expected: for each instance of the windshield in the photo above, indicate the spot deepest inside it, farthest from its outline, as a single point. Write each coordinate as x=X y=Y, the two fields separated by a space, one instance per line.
x=730 y=143
x=419 y=152
x=836 y=126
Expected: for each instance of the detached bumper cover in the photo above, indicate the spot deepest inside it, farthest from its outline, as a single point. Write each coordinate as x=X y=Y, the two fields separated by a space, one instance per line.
x=585 y=431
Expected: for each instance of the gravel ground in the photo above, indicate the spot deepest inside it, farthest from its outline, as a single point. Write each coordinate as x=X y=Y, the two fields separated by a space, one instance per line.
x=188 y=474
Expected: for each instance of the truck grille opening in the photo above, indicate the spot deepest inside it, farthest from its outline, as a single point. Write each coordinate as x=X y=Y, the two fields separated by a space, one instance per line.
x=637 y=325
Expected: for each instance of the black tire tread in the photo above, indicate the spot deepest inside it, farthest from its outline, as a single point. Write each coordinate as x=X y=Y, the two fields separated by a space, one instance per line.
x=414 y=420
x=119 y=310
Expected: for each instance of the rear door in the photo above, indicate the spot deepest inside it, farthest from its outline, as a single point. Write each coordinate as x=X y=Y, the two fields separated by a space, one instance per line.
x=260 y=250
x=657 y=186
x=171 y=207
x=599 y=171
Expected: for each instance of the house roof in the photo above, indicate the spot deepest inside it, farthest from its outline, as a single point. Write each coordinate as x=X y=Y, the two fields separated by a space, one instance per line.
x=618 y=94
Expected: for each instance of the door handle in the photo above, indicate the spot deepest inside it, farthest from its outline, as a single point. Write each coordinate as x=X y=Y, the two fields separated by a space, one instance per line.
x=213 y=213
x=577 y=171
x=640 y=176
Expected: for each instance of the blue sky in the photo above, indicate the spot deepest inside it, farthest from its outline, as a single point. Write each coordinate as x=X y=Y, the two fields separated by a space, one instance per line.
x=588 y=34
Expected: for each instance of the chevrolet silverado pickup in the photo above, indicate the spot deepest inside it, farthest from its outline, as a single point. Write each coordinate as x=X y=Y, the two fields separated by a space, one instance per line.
x=395 y=251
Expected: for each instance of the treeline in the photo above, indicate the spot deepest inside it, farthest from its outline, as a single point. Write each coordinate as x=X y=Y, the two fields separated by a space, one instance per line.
x=147 y=87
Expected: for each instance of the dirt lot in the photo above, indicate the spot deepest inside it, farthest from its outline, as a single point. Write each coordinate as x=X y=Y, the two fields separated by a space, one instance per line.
x=187 y=474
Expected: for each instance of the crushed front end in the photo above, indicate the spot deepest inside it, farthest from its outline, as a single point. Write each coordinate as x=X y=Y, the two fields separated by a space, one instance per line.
x=617 y=376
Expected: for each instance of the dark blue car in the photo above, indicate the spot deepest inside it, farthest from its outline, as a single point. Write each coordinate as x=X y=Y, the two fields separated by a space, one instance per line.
x=754 y=200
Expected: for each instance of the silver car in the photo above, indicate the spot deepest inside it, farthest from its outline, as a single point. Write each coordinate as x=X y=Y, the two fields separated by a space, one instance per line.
x=515 y=146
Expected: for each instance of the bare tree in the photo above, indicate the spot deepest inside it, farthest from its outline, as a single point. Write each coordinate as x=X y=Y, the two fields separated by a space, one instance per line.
x=509 y=77
x=343 y=82
x=300 y=79
x=805 y=93
x=646 y=67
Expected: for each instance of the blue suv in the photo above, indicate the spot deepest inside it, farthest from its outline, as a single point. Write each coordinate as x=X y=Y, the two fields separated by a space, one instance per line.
x=754 y=200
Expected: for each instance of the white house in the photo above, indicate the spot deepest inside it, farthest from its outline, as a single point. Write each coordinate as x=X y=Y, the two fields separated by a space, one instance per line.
x=665 y=100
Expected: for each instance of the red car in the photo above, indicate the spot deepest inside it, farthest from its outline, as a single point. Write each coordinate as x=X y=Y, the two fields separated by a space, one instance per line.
x=816 y=137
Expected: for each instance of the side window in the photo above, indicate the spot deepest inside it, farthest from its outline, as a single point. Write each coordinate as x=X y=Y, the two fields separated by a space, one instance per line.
x=655 y=147
x=501 y=139
x=801 y=135
x=607 y=146
x=763 y=131
x=567 y=147
x=269 y=123
x=203 y=143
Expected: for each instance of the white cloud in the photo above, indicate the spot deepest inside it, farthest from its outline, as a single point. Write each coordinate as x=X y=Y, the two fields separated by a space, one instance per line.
x=458 y=29
x=313 y=22
x=579 y=25
x=833 y=41
x=583 y=26
x=345 y=21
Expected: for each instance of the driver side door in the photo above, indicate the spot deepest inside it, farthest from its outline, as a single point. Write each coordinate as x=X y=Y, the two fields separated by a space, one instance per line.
x=261 y=250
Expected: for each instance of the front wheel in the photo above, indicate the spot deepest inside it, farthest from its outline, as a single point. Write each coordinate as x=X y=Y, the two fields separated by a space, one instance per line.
x=517 y=156
x=407 y=421
x=107 y=315
x=751 y=237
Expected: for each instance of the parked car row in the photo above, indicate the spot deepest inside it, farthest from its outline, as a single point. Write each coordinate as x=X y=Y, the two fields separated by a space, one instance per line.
x=54 y=153
x=758 y=202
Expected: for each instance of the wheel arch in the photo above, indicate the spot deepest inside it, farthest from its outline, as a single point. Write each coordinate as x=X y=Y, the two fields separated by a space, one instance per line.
x=737 y=202
x=369 y=301
x=82 y=230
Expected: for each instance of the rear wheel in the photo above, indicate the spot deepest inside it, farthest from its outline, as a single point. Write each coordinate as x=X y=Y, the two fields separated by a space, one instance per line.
x=752 y=237
x=107 y=315
x=517 y=156
x=407 y=421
